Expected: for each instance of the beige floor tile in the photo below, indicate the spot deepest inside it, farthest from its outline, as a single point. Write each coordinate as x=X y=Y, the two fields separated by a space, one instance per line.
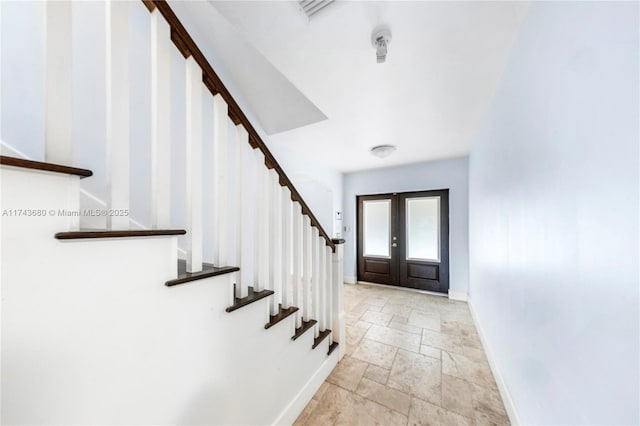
x=377 y=374
x=491 y=418
x=488 y=399
x=397 y=338
x=416 y=374
x=399 y=319
x=356 y=332
x=432 y=352
x=457 y=396
x=351 y=318
x=469 y=369
x=445 y=377
x=376 y=300
x=378 y=318
x=375 y=353
x=397 y=309
x=348 y=373
x=427 y=414
x=446 y=342
x=305 y=417
x=428 y=320
x=361 y=308
x=404 y=327
x=458 y=328
x=390 y=398
x=371 y=414
x=321 y=390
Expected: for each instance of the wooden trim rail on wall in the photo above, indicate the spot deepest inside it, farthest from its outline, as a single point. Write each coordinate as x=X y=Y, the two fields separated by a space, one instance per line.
x=188 y=47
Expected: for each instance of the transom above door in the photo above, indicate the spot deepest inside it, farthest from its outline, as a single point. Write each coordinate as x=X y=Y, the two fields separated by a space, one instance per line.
x=403 y=239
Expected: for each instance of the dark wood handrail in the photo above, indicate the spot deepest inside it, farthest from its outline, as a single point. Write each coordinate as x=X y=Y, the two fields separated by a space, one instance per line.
x=188 y=47
x=47 y=167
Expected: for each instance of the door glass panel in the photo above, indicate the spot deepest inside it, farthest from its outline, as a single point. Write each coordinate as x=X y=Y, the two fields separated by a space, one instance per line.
x=423 y=228
x=377 y=227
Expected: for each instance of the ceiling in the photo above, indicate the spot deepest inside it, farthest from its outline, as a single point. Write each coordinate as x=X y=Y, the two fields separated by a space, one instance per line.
x=429 y=98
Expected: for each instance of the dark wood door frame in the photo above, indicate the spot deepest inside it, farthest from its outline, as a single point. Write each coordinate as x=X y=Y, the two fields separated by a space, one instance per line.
x=398 y=270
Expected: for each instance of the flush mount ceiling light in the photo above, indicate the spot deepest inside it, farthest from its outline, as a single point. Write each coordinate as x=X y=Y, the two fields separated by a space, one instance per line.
x=311 y=7
x=382 y=151
x=380 y=39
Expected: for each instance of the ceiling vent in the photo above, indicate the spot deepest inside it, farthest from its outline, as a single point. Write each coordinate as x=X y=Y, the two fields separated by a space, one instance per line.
x=311 y=7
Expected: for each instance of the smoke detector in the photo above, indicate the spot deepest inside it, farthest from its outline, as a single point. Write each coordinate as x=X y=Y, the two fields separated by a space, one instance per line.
x=380 y=39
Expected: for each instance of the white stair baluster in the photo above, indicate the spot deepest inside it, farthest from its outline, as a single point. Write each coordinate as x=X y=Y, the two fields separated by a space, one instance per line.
x=323 y=284
x=244 y=231
x=276 y=242
x=296 y=249
x=286 y=247
x=58 y=92
x=261 y=248
x=193 y=142
x=307 y=268
x=117 y=111
x=339 y=322
x=221 y=159
x=315 y=280
x=328 y=287
x=160 y=121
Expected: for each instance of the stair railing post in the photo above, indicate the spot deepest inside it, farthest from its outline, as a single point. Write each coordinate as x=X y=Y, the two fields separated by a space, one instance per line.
x=286 y=246
x=315 y=279
x=307 y=267
x=221 y=160
x=160 y=121
x=117 y=113
x=337 y=302
x=297 y=261
x=58 y=92
x=193 y=144
x=276 y=241
x=243 y=227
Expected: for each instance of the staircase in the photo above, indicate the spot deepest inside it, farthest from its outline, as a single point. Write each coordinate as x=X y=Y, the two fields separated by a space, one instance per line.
x=234 y=318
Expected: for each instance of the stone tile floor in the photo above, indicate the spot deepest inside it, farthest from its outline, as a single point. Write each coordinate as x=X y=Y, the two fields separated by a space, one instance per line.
x=412 y=359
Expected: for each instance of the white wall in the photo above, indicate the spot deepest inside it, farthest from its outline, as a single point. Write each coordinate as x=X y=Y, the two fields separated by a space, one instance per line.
x=451 y=174
x=306 y=173
x=554 y=217
x=91 y=335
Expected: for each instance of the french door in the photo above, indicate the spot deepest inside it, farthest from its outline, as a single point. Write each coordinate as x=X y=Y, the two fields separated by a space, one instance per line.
x=403 y=239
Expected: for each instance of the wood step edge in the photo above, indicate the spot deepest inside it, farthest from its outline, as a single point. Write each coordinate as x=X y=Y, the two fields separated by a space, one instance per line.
x=47 y=167
x=208 y=271
x=97 y=233
x=306 y=325
x=252 y=297
x=323 y=335
x=281 y=315
x=332 y=347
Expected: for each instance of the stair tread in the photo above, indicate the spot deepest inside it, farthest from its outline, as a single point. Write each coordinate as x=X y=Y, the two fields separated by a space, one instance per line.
x=48 y=167
x=306 y=325
x=281 y=315
x=208 y=270
x=253 y=296
x=323 y=334
x=332 y=347
x=105 y=233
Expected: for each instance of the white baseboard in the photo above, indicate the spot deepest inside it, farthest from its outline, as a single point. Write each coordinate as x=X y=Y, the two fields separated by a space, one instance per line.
x=349 y=280
x=462 y=296
x=300 y=401
x=502 y=386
